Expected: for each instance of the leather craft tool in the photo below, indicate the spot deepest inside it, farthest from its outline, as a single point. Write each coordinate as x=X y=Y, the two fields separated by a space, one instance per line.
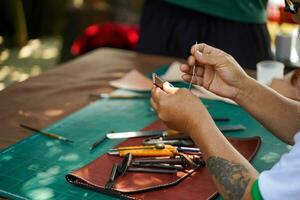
x=159 y=82
x=125 y=164
x=134 y=134
x=51 y=135
x=113 y=174
x=221 y=119
x=156 y=150
x=163 y=140
x=188 y=149
x=97 y=143
x=151 y=170
x=156 y=146
x=158 y=165
x=119 y=96
x=156 y=160
x=229 y=128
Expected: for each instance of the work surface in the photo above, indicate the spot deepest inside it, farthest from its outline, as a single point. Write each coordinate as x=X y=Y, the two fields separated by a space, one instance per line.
x=35 y=168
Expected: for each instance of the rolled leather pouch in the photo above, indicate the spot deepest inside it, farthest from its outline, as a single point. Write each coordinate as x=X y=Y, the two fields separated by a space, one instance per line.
x=189 y=184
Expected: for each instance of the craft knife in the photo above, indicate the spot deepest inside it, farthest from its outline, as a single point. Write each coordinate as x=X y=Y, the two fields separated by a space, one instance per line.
x=134 y=134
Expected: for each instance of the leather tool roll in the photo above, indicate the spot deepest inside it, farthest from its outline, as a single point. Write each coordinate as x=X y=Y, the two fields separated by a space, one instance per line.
x=192 y=184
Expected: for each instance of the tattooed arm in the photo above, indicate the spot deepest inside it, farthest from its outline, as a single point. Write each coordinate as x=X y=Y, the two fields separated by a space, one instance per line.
x=232 y=177
x=231 y=172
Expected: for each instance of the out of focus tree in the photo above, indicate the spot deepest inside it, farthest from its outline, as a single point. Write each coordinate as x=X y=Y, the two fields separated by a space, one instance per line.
x=25 y=19
x=13 y=22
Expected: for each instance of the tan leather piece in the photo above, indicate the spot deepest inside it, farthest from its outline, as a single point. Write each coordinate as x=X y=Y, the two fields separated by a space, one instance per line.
x=133 y=80
x=197 y=186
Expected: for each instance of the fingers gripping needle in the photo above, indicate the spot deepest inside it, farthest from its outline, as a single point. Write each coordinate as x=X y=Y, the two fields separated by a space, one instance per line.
x=194 y=72
x=193 y=75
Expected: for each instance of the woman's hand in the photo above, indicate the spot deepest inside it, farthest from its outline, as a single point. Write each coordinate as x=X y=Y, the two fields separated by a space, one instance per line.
x=217 y=71
x=178 y=108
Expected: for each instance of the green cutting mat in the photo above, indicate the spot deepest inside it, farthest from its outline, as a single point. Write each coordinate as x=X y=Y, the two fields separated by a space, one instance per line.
x=35 y=168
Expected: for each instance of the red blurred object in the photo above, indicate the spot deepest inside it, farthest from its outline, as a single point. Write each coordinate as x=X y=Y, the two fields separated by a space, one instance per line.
x=276 y=13
x=273 y=12
x=285 y=17
x=106 y=35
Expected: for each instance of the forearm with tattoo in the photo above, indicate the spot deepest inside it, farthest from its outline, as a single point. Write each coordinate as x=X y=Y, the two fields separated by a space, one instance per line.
x=232 y=177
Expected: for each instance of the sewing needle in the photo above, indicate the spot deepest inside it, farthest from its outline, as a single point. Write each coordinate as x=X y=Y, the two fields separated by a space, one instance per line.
x=194 y=71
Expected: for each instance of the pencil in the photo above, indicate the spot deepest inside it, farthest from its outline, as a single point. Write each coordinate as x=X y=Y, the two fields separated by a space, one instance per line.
x=51 y=135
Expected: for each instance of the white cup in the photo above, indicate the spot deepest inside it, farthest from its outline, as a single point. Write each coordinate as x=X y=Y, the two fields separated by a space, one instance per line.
x=269 y=69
